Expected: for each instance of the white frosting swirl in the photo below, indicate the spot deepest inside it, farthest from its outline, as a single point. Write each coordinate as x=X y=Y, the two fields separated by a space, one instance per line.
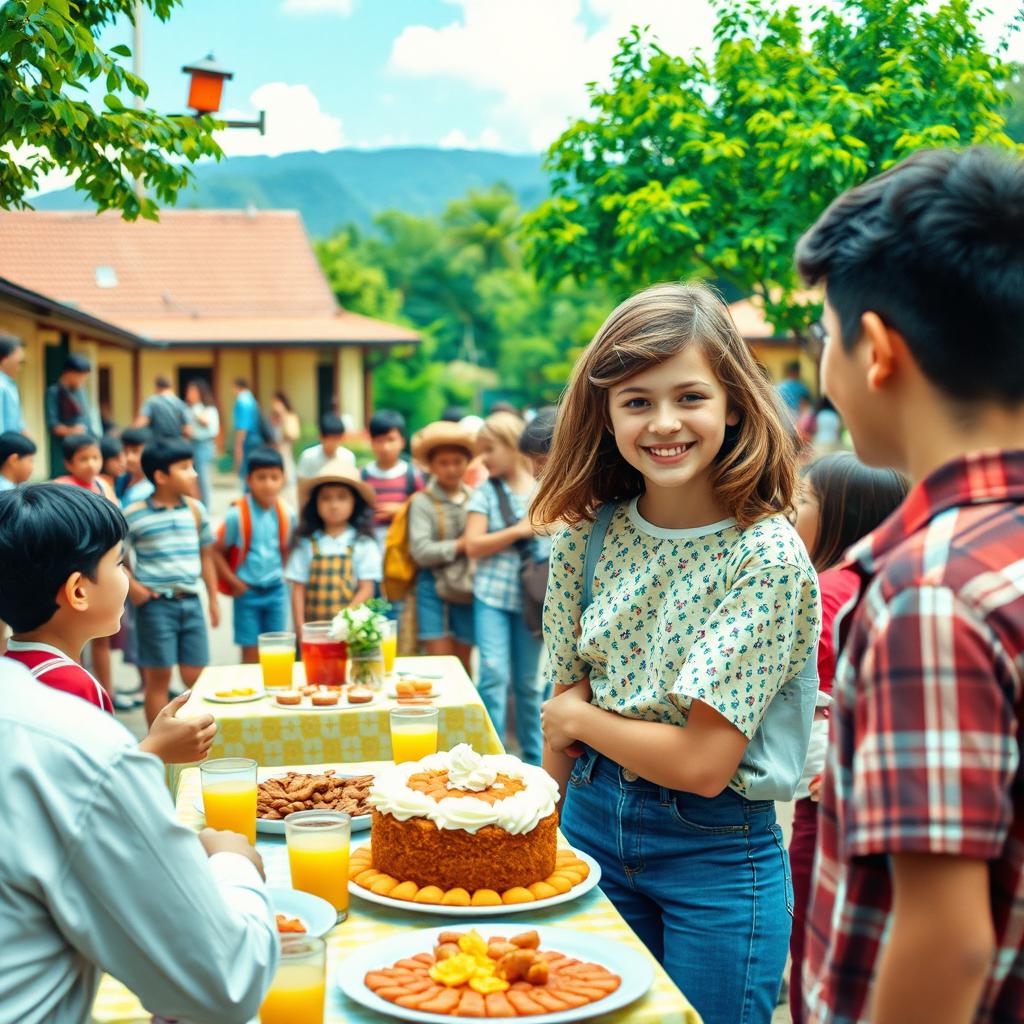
x=516 y=814
x=467 y=770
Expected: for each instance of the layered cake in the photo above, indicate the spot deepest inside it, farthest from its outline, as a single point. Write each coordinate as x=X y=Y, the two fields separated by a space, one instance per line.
x=465 y=821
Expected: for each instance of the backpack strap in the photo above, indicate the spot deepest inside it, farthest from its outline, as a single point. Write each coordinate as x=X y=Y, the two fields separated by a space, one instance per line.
x=410 y=479
x=595 y=545
x=244 y=528
x=364 y=473
x=282 y=528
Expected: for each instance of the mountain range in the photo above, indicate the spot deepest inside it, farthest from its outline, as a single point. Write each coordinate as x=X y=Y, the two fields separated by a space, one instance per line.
x=347 y=186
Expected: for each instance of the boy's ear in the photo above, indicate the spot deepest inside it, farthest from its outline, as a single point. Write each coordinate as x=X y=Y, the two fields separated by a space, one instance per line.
x=72 y=594
x=885 y=350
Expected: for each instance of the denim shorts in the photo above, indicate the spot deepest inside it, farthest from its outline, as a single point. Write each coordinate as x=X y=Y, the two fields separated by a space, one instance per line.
x=705 y=883
x=171 y=631
x=260 y=610
x=437 y=619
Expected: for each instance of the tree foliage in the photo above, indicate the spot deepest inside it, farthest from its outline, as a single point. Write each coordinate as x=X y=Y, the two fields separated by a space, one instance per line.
x=713 y=168
x=49 y=54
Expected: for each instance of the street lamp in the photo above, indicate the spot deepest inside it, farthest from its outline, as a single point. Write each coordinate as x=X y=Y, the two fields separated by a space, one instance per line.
x=206 y=84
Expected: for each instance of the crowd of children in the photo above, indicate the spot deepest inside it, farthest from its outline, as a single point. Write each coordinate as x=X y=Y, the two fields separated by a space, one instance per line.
x=720 y=631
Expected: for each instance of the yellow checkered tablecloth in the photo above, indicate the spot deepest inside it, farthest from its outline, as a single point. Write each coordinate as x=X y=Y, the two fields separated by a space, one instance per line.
x=368 y=922
x=273 y=736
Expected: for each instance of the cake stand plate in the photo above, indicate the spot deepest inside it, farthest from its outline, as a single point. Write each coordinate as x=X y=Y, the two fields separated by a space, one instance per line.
x=437 y=910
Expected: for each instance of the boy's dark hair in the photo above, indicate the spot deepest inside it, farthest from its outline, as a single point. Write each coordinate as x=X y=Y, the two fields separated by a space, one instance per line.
x=134 y=437
x=537 y=435
x=159 y=456
x=9 y=343
x=310 y=521
x=75 y=362
x=792 y=368
x=452 y=414
x=48 y=532
x=162 y=382
x=264 y=458
x=110 y=447
x=331 y=425
x=853 y=500
x=241 y=382
x=386 y=420
x=13 y=443
x=73 y=443
x=935 y=247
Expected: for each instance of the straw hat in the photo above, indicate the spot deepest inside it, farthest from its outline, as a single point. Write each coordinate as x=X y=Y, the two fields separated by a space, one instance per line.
x=441 y=435
x=337 y=471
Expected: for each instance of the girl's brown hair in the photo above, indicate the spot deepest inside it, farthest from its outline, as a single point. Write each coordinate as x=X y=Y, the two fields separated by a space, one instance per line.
x=504 y=427
x=755 y=472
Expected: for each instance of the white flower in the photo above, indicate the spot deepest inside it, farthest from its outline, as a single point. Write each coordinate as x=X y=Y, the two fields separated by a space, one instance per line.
x=339 y=626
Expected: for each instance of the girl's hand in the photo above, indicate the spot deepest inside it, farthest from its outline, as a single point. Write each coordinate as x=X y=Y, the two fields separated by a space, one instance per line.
x=815 y=788
x=559 y=716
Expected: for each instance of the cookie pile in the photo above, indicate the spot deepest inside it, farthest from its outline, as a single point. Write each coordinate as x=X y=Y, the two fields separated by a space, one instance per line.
x=296 y=791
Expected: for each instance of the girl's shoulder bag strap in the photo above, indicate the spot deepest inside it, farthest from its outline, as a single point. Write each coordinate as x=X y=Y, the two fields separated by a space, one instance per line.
x=592 y=552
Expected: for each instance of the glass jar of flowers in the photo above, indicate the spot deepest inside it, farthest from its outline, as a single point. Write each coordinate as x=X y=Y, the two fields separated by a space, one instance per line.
x=363 y=629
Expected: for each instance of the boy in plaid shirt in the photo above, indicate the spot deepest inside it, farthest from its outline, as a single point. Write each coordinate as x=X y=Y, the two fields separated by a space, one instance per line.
x=918 y=912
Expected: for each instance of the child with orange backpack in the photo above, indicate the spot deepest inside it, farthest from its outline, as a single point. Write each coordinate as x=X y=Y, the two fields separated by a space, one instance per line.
x=251 y=548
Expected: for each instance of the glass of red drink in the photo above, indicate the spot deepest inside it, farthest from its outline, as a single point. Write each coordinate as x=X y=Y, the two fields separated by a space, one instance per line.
x=324 y=658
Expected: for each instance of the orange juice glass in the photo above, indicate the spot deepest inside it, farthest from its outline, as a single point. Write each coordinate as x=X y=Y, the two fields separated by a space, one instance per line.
x=413 y=733
x=277 y=659
x=297 y=993
x=318 y=855
x=389 y=647
x=229 y=794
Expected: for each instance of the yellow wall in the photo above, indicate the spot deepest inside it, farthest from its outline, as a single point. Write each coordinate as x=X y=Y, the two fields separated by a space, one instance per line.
x=775 y=356
x=350 y=385
x=122 y=383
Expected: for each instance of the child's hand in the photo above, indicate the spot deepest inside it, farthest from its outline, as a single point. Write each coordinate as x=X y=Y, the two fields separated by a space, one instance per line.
x=214 y=614
x=217 y=841
x=238 y=586
x=558 y=716
x=140 y=595
x=814 y=787
x=180 y=740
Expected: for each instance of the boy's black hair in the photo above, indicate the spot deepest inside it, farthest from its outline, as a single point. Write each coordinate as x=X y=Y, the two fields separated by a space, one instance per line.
x=13 y=443
x=48 y=532
x=310 y=521
x=264 y=458
x=110 y=447
x=75 y=362
x=539 y=432
x=853 y=500
x=331 y=425
x=73 y=443
x=159 y=456
x=134 y=437
x=386 y=420
x=452 y=414
x=9 y=343
x=935 y=247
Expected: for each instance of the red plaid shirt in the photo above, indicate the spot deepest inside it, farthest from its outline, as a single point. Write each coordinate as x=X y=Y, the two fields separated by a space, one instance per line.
x=927 y=729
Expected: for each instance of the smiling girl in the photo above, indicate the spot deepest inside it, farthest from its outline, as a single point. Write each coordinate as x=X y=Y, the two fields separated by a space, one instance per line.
x=681 y=623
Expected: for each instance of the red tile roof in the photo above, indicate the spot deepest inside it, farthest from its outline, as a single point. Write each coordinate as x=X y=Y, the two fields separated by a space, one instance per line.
x=195 y=276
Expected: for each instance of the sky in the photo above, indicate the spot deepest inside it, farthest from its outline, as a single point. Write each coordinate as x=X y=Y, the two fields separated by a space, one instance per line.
x=505 y=75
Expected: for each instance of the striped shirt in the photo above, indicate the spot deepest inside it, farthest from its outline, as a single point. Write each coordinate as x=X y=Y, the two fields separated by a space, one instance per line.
x=927 y=745
x=166 y=544
x=396 y=484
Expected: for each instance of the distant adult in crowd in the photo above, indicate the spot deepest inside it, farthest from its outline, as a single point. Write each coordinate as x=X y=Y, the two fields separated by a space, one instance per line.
x=285 y=428
x=164 y=413
x=453 y=414
x=249 y=432
x=67 y=408
x=204 y=426
x=792 y=390
x=332 y=433
x=828 y=428
x=503 y=406
x=12 y=356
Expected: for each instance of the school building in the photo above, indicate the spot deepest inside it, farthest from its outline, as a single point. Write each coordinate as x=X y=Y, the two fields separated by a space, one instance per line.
x=770 y=348
x=199 y=293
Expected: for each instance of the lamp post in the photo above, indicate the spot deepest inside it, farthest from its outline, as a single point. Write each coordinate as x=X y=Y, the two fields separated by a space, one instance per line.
x=206 y=85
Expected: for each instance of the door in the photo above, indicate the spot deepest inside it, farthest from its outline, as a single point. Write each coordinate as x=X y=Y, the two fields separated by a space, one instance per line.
x=186 y=374
x=54 y=357
x=326 y=399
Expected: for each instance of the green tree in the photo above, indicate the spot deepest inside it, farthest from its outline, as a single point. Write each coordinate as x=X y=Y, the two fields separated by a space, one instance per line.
x=49 y=53
x=1014 y=110
x=713 y=168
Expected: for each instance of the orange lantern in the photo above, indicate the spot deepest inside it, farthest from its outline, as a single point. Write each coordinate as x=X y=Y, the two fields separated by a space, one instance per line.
x=206 y=84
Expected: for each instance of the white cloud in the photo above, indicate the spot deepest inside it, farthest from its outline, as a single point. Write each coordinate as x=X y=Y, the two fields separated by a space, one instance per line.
x=294 y=122
x=457 y=139
x=342 y=7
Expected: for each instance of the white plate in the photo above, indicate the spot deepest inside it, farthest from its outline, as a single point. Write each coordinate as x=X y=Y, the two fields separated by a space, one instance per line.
x=213 y=699
x=635 y=968
x=271 y=827
x=316 y=914
x=436 y=910
x=308 y=705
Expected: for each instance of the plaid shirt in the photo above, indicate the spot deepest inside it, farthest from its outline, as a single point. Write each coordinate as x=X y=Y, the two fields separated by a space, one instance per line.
x=928 y=728
x=496 y=580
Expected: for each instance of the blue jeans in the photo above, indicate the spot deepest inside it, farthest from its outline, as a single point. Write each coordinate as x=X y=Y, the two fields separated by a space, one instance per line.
x=705 y=883
x=203 y=455
x=508 y=657
x=260 y=610
x=437 y=619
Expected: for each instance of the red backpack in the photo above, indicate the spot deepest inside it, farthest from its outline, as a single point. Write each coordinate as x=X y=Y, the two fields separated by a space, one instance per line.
x=236 y=554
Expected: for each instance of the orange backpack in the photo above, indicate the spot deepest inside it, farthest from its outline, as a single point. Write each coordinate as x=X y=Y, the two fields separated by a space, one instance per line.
x=236 y=554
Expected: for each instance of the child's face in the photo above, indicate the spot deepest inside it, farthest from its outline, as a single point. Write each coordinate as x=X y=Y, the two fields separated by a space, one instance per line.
x=266 y=485
x=180 y=477
x=115 y=465
x=448 y=467
x=808 y=515
x=18 y=468
x=86 y=463
x=499 y=459
x=669 y=420
x=104 y=596
x=330 y=443
x=387 y=448
x=335 y=504
x=133 y=458
x=537 y=464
